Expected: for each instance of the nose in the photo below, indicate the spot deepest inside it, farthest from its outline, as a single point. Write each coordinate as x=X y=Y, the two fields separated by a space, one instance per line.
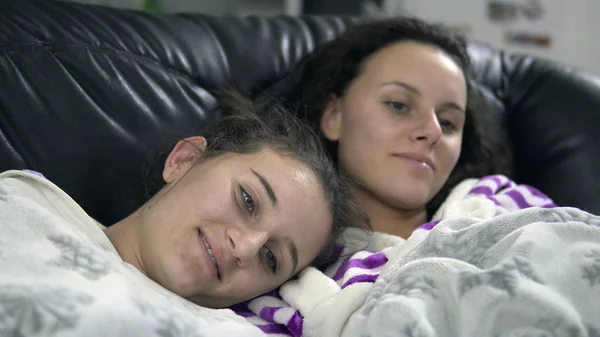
x=427 y=127
x=245 y=244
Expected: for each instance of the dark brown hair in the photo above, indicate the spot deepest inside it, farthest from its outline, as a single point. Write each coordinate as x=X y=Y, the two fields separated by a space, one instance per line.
x=332 y=67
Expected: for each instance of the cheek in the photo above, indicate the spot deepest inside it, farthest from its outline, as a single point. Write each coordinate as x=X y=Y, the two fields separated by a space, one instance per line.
x=457 y=147
x=163 y=209
x=313 y=240
x=311 y=232
x=450 y=153
x=366 y=128
x=210 y=201
x=361 y=119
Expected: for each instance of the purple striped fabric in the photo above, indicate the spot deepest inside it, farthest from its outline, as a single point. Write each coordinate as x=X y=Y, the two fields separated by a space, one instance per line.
x=274 y=329
x=365 y=266
x=369 y=262
x=360 y=278
x=244 y=313
x=269 y=312
x=295 y=324
x=518 y=197
x=429 y=225
x=342 y=269
x=485 y=190
x=498 y=203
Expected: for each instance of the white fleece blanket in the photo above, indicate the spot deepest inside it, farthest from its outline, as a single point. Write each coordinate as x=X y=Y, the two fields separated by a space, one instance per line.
x=535 y=272
x=55 y=281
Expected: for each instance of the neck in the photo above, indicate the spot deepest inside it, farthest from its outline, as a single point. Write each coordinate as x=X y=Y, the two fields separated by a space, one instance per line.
x=388 y=219
x=124 y=235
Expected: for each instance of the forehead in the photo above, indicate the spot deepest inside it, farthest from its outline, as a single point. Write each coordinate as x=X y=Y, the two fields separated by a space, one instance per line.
x=412 y=59
x=278 y=169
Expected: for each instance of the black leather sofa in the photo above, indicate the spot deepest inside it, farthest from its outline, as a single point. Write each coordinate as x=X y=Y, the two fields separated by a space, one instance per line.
x=89 y=94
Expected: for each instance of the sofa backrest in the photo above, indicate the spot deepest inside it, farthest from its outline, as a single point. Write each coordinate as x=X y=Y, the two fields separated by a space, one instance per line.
x=89 y=94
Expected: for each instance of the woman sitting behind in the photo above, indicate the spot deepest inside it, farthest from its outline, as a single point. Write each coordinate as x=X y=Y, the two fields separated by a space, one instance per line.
x=393 y=105
x=396 y=111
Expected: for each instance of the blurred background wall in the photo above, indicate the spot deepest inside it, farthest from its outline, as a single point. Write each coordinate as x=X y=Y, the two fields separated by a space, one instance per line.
x=556 y=29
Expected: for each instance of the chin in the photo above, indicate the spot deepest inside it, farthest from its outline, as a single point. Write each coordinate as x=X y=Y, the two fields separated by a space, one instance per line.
x=189 y=285
x=215 y=299
x=180 y=281
x=410 y=203
x=411 y=196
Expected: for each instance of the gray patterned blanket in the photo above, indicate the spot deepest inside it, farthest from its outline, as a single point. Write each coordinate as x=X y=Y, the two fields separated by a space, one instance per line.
x=535 y=272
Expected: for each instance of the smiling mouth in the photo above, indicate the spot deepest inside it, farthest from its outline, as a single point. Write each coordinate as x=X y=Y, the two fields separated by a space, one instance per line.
x=417 y=159
x=210 y=253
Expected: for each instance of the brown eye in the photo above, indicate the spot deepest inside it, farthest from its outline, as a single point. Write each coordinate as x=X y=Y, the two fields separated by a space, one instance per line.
x=270 y=259
x=447 y=125
x=247 y=201
x=396 y=107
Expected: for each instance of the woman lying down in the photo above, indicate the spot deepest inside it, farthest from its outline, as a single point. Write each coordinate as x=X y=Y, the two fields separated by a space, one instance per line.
x=250 y=203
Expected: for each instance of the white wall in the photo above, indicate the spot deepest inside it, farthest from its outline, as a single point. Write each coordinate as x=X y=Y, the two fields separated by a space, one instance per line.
x=212 y=7
x=573 y=26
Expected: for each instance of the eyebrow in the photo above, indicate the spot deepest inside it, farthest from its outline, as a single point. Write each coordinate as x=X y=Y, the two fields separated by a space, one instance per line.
x=416 y=91
x=267 y=187
x=453 y=106
x=403 y=85
x=291 y=246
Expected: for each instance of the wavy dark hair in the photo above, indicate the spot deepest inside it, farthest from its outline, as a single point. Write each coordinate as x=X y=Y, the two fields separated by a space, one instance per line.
x=332 y=67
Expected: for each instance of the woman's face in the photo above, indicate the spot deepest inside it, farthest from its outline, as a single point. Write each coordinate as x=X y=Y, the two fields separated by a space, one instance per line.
x=232 y=227
x=399 y=125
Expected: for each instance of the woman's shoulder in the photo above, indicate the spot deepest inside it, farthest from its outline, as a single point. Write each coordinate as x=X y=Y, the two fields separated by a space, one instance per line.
x=22 y=182
x=32 y=187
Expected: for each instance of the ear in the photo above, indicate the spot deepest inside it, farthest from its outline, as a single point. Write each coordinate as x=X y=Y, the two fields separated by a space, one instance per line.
x=331 y=120
x=183 y=157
